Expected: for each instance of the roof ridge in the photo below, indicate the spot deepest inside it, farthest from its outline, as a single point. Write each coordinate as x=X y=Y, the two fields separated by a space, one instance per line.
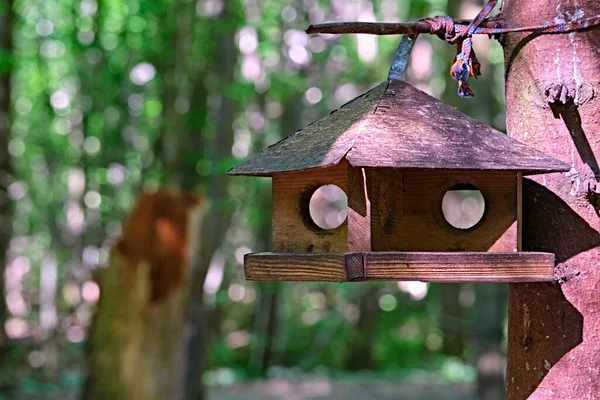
x=395 y=125
x=387 y=85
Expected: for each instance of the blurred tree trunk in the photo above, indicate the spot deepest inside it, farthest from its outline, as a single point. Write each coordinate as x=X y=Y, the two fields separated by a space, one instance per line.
x=6 y=178
x=360 y=356
x=553 y=336
x=265 y=325
x=177 y=91
x=218 y=150
x=489 y=317
x=136 y=348
x=452 y=320
x=266 y=322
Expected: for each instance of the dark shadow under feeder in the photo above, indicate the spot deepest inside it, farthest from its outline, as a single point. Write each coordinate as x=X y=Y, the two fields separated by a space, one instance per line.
x=397 y=152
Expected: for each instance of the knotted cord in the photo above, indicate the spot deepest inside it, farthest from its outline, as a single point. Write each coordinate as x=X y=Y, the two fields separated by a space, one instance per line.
x=465 y=63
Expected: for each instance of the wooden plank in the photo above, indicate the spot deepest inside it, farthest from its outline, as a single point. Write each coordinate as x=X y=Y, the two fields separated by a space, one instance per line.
x=407 y=211
x=460 y=267
x=385 y=192
x=315 y=267
x=292 y=227
x=359 y=211
x=394 y=266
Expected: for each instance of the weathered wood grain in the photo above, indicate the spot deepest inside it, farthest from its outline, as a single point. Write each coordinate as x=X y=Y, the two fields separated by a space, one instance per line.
x=398 y=126
x=292 y=226
x=317 y=267
x=460 y=267
x=321 y=144
x=394 y=266
x=359 y=211
x=386 y=195
x=407 y=211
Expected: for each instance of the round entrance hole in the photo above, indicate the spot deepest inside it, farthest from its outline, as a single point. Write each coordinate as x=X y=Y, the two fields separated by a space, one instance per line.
x=463 y=206
x=328 y=207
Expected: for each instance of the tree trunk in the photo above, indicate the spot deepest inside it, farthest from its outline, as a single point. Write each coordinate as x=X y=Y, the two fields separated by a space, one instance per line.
x=267 y=316
x=176 y=96
x=553 y=340
x=490 y=311
x=6 y=177
x=136 y=348
x=361 y=356
x=451 y=318
x=218 y=221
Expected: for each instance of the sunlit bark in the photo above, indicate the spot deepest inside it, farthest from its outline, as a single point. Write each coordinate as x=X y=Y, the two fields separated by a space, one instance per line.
x=553 y=341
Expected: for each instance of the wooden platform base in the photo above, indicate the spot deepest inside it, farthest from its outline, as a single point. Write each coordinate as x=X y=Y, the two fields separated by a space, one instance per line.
x=400 y=266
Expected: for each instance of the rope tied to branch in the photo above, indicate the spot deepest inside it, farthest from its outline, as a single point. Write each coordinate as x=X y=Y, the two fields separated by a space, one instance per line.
x=465 y=64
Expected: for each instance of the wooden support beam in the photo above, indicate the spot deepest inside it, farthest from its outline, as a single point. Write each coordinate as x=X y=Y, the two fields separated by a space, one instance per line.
x=396 y=266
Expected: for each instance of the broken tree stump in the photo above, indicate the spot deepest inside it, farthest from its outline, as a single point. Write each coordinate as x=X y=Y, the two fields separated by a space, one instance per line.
x=136 y=344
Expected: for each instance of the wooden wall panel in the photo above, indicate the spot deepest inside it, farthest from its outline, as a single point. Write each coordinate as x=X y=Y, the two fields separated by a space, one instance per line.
x=407 y=211
x=359 y=211
x=293 y=229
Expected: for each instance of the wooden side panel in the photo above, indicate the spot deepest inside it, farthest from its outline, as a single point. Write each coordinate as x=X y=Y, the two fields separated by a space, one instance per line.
x=359 y=211
x=417 y=223
x=385 y=192
x=293 y=229
x=394 y=266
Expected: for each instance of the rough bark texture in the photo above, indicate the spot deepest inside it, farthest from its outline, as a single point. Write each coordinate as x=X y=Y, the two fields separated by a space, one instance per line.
x=553 y=104
x=5 y=165
x=136 y=345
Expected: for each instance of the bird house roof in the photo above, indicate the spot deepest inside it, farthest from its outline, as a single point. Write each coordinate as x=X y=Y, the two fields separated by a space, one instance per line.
x=395 y=125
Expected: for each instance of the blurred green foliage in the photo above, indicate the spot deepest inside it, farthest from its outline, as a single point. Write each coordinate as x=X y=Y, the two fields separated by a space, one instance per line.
x=104 y=92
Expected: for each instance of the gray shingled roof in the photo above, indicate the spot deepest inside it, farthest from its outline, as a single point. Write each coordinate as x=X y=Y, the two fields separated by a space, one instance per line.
x=395 y=125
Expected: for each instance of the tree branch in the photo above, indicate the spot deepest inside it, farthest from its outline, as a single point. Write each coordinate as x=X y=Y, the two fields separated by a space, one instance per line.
x=389 y=28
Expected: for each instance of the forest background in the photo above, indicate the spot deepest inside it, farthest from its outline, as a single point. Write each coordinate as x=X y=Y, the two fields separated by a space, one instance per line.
x=107 y=98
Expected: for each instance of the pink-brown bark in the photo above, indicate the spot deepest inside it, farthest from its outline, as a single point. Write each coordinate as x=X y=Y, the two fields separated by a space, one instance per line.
x=553 y=104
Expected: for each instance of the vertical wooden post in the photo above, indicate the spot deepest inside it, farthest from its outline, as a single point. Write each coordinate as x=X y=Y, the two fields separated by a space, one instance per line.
x=552 y=84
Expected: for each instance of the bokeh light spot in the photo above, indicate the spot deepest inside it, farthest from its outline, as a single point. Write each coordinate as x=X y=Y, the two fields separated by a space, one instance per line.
x=313 y=95
x=142 y=73
x=92 y=199
x=388 y=302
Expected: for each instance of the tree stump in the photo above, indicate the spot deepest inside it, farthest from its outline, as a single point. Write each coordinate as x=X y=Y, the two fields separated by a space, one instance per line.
x=136 y=344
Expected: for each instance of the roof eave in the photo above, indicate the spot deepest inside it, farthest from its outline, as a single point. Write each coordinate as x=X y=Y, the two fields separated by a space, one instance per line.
x=526 y=171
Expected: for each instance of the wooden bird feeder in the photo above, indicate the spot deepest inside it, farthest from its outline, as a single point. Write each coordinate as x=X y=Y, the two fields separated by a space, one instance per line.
x=396 y=152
